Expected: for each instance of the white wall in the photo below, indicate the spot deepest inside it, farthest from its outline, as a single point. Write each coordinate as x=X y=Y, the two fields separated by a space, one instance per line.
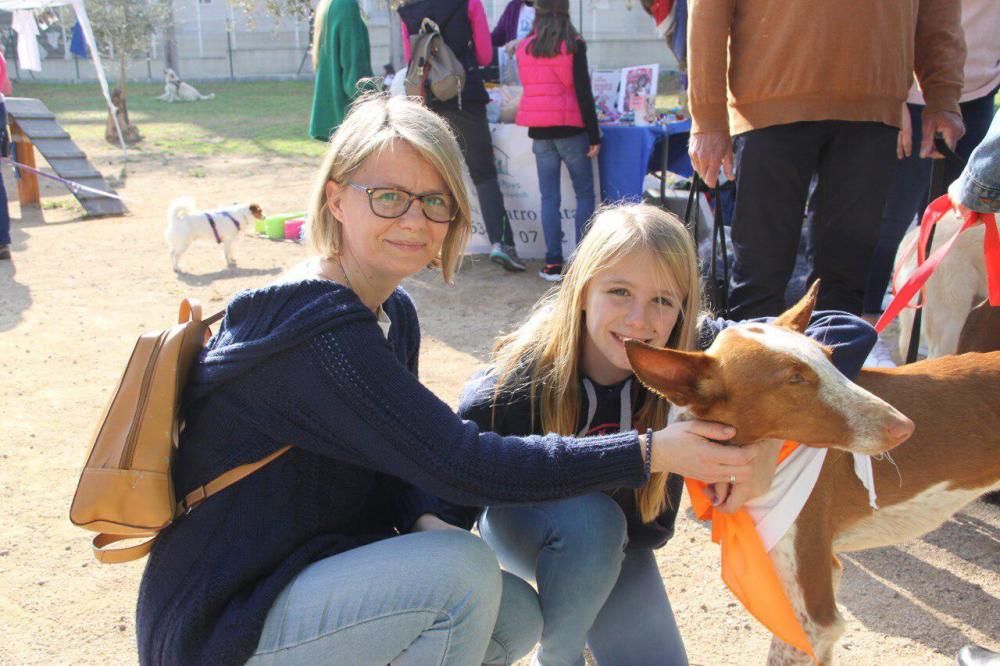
x=265 y=47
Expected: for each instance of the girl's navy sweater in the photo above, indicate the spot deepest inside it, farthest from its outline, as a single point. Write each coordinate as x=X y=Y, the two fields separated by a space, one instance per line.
x=850 y=338
x=306 y=363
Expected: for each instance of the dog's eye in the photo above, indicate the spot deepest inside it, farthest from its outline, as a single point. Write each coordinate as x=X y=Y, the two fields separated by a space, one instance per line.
x=796 y=378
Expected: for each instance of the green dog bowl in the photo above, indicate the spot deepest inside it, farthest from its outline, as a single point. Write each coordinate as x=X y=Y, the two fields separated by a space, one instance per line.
x=275 y=228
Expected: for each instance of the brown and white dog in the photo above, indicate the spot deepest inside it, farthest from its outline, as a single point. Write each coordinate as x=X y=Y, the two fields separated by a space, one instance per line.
x=185 y=223
x=771 y=382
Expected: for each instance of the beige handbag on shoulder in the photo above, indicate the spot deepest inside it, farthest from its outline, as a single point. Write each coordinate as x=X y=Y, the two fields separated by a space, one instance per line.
x=125 y=490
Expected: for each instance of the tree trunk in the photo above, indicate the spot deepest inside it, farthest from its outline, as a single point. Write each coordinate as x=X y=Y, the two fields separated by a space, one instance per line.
x=130 y=133
x=122 y=62
x=170 y=39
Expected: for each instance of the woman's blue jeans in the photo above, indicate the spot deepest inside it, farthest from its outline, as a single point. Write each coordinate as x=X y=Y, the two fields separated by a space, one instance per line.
x=592 y=590
x=549 y=156
x=434 y=597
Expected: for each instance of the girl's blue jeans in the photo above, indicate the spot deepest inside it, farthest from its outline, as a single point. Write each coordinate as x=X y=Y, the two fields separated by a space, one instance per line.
x=434 y=597
x=550 y=154
x=593 y=591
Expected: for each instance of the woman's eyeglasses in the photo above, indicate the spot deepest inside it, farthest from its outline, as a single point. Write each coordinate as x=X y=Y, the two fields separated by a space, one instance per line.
x=392 y=202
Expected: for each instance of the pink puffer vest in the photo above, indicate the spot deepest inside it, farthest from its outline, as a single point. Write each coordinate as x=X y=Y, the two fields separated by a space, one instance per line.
x=549 y=98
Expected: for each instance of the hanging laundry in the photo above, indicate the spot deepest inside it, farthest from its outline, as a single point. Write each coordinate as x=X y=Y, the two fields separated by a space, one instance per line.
x=78 y=43
x=24 y=24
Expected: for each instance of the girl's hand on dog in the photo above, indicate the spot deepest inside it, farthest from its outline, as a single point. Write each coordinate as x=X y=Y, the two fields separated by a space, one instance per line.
x=728 y=498
x=686 y=448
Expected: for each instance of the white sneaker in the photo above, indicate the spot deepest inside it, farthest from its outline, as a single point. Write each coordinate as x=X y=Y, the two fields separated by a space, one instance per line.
x=880 y=356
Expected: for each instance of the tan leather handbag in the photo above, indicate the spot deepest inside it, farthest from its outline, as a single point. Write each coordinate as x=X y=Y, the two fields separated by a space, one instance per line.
x=125 y=490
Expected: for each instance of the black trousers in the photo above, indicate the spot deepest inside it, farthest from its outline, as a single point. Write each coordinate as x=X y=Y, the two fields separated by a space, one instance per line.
x=854 y=163
x=908 y=191
x=474 y=138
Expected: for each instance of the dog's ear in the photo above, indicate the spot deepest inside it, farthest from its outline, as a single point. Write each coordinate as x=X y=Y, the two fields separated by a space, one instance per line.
x=256 y=211
x=797 y=316
x=683 y=378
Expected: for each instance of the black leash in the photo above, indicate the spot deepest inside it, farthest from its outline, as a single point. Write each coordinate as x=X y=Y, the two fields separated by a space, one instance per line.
x=718 y=291
x=937 y=188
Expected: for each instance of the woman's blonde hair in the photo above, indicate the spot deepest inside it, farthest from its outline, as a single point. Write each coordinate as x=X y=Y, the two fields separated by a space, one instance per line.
x=545 y=351
x=374 y=122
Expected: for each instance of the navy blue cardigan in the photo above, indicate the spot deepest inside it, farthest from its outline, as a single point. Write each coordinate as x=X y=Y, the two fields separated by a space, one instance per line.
x=307 y=364
x=850 y=338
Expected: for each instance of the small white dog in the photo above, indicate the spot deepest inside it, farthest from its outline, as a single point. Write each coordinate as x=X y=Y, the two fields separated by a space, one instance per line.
x=958 y=283
x=175 y=90
x=223 y=225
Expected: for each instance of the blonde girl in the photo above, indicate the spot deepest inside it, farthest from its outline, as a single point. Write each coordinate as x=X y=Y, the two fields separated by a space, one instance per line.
x=565 y=371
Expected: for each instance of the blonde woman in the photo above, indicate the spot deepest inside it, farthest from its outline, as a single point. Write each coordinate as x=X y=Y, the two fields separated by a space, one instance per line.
x=564 y=370
x=339 y=551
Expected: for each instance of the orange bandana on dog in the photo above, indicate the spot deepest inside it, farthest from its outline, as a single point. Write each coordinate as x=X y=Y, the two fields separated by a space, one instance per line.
x=747 y=569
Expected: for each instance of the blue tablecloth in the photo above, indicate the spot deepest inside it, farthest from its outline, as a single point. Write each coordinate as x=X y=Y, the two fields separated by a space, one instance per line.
x=628 y=153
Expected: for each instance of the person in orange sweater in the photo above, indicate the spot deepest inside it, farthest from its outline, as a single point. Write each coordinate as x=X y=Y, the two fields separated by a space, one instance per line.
x=801 y=88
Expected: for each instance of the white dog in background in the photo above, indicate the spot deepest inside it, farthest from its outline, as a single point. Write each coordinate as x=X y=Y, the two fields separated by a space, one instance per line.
x=958 y=284
x=186 y=223
x=175 y=90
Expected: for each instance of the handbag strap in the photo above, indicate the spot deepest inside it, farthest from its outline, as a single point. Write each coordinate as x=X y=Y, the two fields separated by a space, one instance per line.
x=101 y=542
x=190 y=310
x=223 y=481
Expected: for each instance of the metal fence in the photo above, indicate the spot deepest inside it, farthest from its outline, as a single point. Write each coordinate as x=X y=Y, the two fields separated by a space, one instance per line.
x=216 y=41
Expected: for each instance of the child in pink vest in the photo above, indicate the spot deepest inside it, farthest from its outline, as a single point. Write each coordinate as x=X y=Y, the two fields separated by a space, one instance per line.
x=558 y=109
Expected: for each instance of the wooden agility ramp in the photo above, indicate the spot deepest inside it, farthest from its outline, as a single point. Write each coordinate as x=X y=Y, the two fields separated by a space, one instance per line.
x=34 y=126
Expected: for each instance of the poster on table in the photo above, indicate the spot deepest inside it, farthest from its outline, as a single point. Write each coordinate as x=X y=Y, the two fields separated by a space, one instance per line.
x=639 y=80
x=522 y=198
x=604 y=83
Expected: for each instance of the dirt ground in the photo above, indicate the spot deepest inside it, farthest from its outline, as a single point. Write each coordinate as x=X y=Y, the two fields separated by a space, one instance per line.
x=77 y=294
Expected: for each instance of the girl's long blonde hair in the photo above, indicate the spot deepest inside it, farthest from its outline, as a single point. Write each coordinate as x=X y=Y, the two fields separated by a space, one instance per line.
x=545 y=351
x=374 y=122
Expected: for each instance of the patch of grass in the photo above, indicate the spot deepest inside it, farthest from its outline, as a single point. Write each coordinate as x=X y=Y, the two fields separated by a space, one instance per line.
x=57 y=203
x=245 y=118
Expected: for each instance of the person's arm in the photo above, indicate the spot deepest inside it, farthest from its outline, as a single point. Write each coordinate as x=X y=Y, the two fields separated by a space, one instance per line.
x=426 y=512
x=709 y=22
x=506 y=29
x=850 y=338
x=938 y=60
x=354 y=53
x=978 y=188
x=710 y=147
x=585 y=97
x=5 y=87
x=358 y=404
x=406 y=42
x=481 y=39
